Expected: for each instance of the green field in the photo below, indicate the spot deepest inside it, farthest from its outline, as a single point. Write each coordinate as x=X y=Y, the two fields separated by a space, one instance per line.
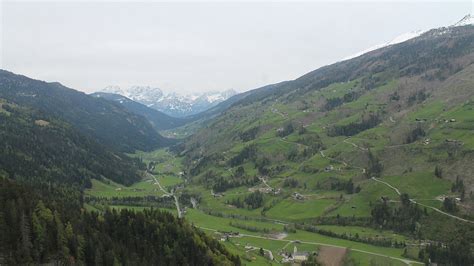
x=291 y=209
x=110 y=189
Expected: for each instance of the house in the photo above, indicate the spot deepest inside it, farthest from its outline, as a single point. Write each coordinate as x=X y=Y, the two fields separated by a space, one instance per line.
x=276 y=191
x=299 y=256
x=269 y=254
x=329 y=168
x=297 y=196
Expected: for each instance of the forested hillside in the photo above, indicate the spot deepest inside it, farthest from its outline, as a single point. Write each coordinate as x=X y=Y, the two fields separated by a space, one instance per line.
x=110 y=123
x=38 y=148
x=45 y=165
x=39 y=226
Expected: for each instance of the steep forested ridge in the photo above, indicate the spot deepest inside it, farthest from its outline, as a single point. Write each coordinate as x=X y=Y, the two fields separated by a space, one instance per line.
x=39 y=148
x=51 y=227
x=98 y=118
x=47 y=159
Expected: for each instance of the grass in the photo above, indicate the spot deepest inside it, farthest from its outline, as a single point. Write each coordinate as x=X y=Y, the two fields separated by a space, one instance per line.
x=219 y=223
x=422 y=185
x=363 y=232
x=359 y=204
x=290 y=209
x=169 y=181
x=165 y=161
x=359 y=258
x=109 y=189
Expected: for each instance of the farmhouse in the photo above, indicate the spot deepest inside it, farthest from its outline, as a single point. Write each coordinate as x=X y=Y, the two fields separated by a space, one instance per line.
x=329 y=168
x=297 y=196
x=299 y=256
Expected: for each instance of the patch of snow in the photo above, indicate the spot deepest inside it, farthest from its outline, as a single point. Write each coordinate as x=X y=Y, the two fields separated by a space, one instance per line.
x=172 y=103
x=399 y=39
x=466 y=20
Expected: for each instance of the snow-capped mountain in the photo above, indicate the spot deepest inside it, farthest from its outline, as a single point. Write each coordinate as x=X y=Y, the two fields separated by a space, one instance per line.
x=466 y=20
x=400 y=38
x=173 y=104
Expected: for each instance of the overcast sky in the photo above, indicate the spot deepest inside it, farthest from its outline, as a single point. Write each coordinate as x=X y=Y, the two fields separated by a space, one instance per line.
x=193 y=47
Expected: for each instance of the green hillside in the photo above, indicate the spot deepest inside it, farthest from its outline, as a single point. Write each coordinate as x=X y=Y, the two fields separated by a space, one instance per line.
x=343 y=141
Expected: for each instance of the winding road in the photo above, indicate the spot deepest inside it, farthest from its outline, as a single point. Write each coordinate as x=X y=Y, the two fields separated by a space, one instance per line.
x=355 y=145
x=421 y=204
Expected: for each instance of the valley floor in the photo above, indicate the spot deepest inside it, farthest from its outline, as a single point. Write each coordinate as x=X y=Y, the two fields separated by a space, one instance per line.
x=245 y=231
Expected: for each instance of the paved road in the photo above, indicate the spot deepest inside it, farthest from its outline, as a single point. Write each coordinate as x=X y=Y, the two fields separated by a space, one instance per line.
x=421 y=204
x=167 y=194
x=406 y=261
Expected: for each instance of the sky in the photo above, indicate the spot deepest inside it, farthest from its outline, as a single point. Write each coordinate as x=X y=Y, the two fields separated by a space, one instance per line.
x=189 y=47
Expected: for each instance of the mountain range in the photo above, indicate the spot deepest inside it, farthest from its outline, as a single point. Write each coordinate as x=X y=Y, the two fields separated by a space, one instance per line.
x=173 y=104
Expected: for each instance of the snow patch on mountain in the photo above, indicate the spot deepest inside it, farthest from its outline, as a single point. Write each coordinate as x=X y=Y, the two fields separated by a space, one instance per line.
x=466 y=20
x=173 y=103
x=399 y=39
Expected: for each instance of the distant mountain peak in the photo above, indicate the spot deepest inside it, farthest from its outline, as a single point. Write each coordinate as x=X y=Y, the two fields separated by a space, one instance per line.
x=466 y=20
x=173 y=103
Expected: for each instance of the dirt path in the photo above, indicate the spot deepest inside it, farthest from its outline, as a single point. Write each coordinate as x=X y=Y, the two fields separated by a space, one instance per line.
x=421 y=204
x=295 y=143
x=355 y=145
x=387 y=184
x=265 y=182
x=331 y=256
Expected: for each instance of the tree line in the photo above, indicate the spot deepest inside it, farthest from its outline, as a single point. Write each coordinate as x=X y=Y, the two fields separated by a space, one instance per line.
x=38 y=228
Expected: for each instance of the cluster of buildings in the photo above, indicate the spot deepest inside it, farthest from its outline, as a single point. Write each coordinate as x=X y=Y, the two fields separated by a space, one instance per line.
x=295 y=256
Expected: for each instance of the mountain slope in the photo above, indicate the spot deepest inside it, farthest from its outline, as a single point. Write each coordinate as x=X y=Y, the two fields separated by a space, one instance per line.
x=48 y=225
x=98 y=118
x=39 y=149
x=45 y=165
x=383 y=140
x=159 y=120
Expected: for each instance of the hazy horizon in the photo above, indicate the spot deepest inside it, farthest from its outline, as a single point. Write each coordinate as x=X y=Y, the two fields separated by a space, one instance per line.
x=198 y=47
